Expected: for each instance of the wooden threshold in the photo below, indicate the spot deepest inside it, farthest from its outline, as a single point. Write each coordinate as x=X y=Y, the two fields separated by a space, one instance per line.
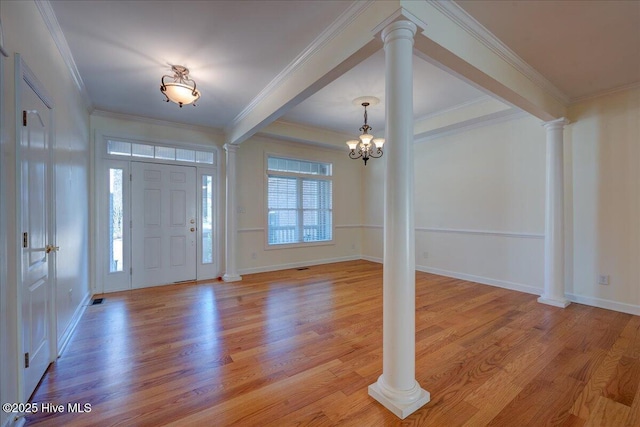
x=300 y=348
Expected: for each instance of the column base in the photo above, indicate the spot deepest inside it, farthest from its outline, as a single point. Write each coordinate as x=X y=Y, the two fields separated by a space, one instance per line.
x=401 y=409
x=562 y=303
x=232 y=278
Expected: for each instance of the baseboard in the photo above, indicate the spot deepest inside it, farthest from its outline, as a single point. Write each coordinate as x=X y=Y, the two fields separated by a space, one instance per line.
x=77 y=315
x=605 y=303
x=470 y=277
x=296 y=264
x=371 y=258
x=483 y=280
x=579 y=299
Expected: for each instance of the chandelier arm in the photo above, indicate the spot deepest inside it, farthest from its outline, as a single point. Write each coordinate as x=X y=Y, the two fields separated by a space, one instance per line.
x=194 y=92
x=162 y=85
x=376 y=154
x=353 y=155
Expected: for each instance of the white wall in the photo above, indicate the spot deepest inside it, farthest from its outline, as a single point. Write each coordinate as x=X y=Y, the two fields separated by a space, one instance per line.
x=479 y=200
x=604 y=142
x=26 y=33
x=480 y=203
x=252 y=253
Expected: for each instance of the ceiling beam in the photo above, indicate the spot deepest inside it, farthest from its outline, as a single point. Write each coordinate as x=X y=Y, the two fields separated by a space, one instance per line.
x=347 y=42
x=457 y=49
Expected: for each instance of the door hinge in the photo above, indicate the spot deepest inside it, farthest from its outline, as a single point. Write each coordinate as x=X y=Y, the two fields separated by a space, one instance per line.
x=24 y=117
x=26 y=360
x=25 y=240
x=130 y=223
x=130 y=177
x=131 y=271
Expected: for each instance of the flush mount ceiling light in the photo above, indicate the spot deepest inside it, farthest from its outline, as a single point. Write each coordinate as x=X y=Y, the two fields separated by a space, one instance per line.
x=364 y=147
x=182 y=90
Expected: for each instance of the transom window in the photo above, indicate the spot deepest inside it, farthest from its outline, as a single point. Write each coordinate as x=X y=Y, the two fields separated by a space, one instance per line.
x=148 y=151
x=299 y=198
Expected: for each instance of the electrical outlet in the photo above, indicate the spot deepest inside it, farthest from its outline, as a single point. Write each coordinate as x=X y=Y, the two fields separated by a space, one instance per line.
x=603 y=279
x=425 y=254
x=254 y=255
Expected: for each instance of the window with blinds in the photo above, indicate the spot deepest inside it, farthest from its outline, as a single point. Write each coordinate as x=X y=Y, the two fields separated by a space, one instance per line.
x=299 y=201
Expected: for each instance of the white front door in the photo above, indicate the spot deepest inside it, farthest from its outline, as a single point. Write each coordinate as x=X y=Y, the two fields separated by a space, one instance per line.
x=163 y=225
x=35 y=207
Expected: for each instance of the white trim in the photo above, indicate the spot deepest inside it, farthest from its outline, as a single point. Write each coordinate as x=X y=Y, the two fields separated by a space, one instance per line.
x=371 y=259
x=75 y=319
x=467 y=125
x=482 y=232
x=262 y=229
x=605 y=92
x=372 y=226
x=325 y=37
x=579 y=299
x=321 y=133
x=51 y=21
x=166 y=123
x=482 y=280
x=457 y=107
x=605 y=304
x=278 y=267
x=469 y=24
x=251 y=230
x=496 y=233
x=470 y=278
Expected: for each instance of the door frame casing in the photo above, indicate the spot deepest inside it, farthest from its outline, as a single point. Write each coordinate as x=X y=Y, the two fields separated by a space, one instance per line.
x=24 y=73
x=101 y=163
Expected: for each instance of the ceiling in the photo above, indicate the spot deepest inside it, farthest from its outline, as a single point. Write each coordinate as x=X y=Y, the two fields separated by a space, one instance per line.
x=234 y=49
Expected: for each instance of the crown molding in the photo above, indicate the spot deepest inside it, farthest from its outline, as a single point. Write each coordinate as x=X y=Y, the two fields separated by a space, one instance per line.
x=457 y=107
x=605 y=92
x=51 y=21
x=149 y=120
x=490 y=119
x=326 y=36
x=465 y=21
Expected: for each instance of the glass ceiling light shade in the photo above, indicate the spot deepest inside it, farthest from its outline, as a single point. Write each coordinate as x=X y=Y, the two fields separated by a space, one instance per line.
x=363 y=148
x=182 y=90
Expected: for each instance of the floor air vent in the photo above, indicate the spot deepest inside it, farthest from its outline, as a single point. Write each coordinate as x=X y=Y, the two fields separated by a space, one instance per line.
x=97 y=301
x=302 y=268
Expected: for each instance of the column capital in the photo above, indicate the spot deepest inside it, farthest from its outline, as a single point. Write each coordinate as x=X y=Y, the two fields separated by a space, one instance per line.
x=391 y=32
x=556 y=123
x=230 y=147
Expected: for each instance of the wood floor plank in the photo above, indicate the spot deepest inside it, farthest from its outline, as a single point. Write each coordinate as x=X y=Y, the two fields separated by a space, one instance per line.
x=608 y=412
x=300 y=348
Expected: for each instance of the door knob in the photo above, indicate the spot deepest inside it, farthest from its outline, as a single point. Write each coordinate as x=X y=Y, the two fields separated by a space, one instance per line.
x=193 y=229
x=51 y=248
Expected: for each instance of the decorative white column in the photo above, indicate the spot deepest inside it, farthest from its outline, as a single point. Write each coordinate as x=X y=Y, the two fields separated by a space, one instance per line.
x=231 y=220
x=554 y=218
x=397 y=388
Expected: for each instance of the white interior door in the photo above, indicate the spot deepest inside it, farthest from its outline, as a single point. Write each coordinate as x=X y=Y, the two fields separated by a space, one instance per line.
x=36 y=239
x=163 y=212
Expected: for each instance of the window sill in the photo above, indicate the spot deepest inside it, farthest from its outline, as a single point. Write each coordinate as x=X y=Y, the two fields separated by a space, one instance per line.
x=269 y=247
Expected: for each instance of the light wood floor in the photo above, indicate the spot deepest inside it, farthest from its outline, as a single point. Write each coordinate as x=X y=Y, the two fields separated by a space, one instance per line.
x=300 y=348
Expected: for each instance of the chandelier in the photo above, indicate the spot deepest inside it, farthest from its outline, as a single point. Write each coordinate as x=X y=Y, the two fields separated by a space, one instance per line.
x=367 y=146
x=182 y=90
